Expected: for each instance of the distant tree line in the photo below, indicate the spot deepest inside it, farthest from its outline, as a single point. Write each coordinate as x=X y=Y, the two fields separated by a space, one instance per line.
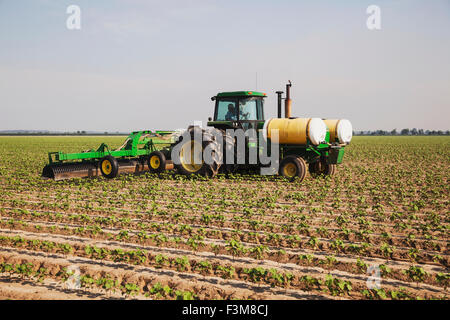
x=403 y=132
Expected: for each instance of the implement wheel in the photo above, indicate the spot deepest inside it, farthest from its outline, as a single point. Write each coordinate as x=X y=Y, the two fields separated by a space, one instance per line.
x=156 y=161
x=321 y=168
x=293 y=167
x=109 y=167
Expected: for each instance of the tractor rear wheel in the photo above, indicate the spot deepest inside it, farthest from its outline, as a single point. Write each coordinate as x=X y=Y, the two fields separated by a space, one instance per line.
x=191 y=154
x=322 y=168
x=109 y=167
x=156 y=162
x=292 y=167
x=229 y=166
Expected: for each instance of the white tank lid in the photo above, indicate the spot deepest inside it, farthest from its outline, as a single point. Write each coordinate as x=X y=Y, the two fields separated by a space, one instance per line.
x=317 y=131
x=344 y=131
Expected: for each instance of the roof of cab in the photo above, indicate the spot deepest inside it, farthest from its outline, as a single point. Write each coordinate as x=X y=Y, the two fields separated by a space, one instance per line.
x=241 y=94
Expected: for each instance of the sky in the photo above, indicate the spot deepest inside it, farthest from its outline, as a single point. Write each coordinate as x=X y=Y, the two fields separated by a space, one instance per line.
x=143 y=64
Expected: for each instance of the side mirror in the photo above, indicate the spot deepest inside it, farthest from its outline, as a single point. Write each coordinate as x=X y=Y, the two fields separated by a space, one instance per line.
x=209 y=119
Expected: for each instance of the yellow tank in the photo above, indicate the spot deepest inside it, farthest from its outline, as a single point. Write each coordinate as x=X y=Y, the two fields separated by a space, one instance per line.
x=341 y=130
x=297 y=131
x=332 y=126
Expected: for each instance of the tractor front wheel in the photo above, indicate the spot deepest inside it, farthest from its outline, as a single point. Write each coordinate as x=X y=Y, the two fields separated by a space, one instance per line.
x=156 y=162
x=322 y=168
x=109 y=167
x=292 y=167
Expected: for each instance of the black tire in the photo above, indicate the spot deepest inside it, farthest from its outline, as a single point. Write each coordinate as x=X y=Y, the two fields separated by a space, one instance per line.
x=228 y=145
x=156 y=162
x=321 y=168
x=204 y=169
x=292 y=168
x=304 y=168
x=109 y=167
x=332 y=168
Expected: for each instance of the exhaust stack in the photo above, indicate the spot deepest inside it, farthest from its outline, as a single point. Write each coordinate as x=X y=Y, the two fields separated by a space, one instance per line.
x=288 y=101
x=279 y=93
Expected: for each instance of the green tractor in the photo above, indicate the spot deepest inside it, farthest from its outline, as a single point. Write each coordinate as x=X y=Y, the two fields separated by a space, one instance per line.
x=237 y=137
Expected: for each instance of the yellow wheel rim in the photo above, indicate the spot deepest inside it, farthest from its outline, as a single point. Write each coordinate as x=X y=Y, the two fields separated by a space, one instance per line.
x=154 y=162
x=191 y=156
x=106 y=167
x=290 y=170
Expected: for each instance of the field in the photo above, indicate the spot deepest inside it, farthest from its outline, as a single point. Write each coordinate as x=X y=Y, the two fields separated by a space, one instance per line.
x=245 y=237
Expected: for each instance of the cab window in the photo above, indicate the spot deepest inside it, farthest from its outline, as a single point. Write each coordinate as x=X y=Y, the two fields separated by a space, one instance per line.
x=260 y=109
x=226 y=110
x=248 y=109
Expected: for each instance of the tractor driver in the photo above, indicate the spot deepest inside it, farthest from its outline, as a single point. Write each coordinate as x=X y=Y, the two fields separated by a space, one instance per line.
x=231 y=114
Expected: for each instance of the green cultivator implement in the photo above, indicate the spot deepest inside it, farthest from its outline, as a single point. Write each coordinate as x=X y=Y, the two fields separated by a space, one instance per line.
x=131 y=157
x=299 y=144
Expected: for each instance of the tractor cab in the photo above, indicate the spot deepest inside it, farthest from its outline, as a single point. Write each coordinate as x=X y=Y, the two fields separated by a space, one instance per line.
x=238 y=109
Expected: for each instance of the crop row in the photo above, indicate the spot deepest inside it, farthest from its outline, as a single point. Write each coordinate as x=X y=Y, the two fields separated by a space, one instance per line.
x=291 y=238
x=234 y=247
x=273 y=277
